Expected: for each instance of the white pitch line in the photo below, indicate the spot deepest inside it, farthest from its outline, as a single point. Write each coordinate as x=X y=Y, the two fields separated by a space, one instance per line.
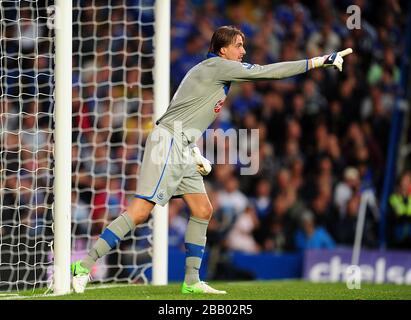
x=15 y=296
x=18 y=297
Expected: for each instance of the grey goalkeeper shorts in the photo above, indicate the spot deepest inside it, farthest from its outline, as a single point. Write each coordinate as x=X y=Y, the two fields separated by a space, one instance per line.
x=168 y=169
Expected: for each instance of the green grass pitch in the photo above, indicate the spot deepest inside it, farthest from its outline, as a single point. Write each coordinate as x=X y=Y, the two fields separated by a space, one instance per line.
x=246 y=290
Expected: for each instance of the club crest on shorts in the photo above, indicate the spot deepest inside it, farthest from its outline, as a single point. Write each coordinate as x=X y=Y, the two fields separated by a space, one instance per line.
x=218 y=105
x=160 y=195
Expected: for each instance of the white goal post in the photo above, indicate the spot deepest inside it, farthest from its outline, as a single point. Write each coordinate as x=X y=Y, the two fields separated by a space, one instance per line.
x=62 y=148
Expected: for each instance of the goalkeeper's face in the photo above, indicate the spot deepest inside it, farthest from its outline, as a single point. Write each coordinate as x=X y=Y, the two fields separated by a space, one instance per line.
x=235 y=50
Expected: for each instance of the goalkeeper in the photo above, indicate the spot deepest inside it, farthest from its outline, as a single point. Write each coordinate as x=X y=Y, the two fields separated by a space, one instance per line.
x=165 y=171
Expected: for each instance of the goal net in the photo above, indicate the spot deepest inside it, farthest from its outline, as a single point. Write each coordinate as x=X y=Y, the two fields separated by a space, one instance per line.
x=112 y=109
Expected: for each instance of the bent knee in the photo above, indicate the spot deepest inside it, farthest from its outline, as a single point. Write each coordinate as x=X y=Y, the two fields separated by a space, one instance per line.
x=204 y=211
x=139 y=210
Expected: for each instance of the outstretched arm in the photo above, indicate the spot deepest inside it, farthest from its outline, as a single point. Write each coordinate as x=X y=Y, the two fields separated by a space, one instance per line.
x=235 y=71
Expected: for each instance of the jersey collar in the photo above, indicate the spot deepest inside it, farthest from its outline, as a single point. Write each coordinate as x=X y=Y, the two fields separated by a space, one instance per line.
x=211 y=55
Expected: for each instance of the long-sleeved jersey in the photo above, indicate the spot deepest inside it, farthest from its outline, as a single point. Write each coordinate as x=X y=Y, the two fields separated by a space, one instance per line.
x=202 y=92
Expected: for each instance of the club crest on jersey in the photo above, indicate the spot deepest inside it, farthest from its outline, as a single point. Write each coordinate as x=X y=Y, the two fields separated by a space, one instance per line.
x=218 y=105
x=248 y=65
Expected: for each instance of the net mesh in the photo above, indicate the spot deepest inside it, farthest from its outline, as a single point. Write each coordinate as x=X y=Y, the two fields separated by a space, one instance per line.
x=112 y=116
x=26 y=154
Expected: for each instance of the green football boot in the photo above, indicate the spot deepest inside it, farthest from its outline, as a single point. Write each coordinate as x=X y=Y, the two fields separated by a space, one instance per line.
x=81 y=277
x=200 y=287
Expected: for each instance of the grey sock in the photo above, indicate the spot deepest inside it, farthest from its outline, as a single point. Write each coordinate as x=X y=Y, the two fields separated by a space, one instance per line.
x=109 y=239
x=195 y=240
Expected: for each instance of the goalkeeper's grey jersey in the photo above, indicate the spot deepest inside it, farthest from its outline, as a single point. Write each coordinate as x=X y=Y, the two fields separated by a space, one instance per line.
x=202 y=92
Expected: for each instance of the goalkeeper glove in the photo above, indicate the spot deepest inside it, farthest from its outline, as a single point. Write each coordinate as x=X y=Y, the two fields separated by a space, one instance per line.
x=203 y=165
x=335 y=59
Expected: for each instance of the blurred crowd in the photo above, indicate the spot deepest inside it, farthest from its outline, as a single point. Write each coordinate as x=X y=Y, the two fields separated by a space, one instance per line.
x=323 y=135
